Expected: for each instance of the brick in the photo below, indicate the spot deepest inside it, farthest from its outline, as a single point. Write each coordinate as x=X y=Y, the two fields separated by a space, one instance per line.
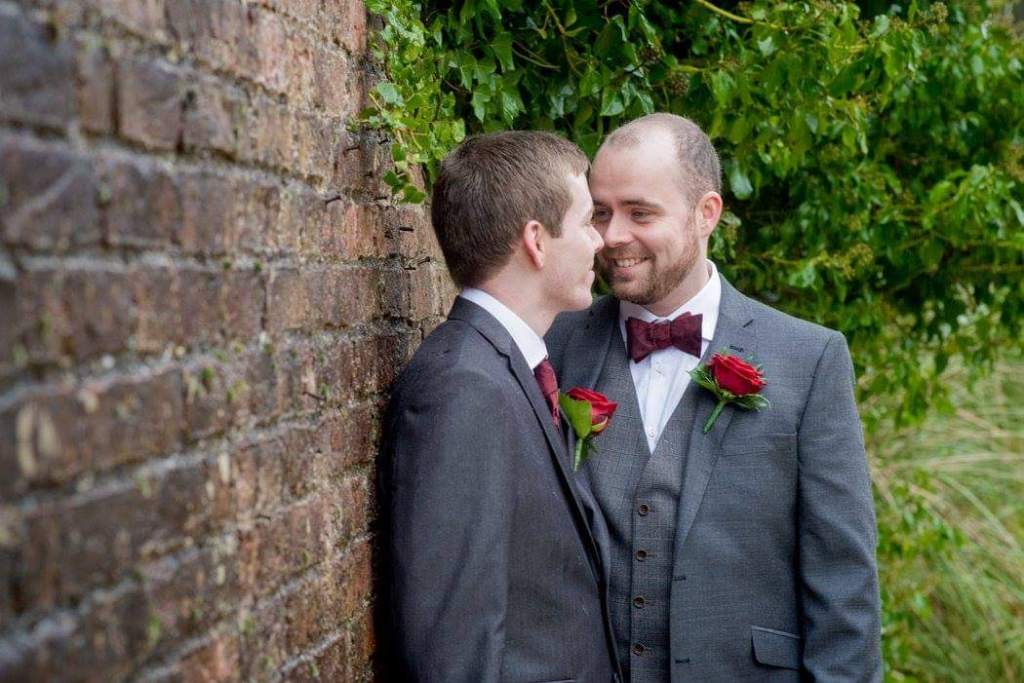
x=314 y=139
x=271 y=35
x=348 y=21
x=195 y=307
x=97 y=642
x=314 y=375
x=332 y=84
x=53 y=435
x=331 y=298
x=209 y=213
x=145 y=204
x=145 y=18
x=210 y=115
x=193 y=591
x=260 y=214
x=352 y=437
x=265 y=137
x=97 y=539
x=354 y=507
x=150 y=97
x=303 y=10
x=300 y=74
x=78 y=314
x=95 y=86
x=10 y=357
x=51 y=195
x=36 y=73
x=359 y=160
x=215 y=661
x=277 y=548
x=220 y=395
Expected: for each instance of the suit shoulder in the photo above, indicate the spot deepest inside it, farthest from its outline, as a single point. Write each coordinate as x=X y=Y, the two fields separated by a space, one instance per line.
x=450 y=355
x=567 y=323
x=800 y=330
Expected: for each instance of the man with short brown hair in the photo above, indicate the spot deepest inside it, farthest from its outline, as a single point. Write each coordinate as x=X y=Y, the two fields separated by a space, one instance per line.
x=491 y=570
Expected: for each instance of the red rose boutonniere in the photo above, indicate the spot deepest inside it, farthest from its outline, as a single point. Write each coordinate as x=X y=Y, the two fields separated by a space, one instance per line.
x=589 y=413
x=732 y=380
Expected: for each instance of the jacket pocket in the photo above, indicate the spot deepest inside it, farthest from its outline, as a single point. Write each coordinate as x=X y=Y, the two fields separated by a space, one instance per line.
x=776 y=648
x=781 y=442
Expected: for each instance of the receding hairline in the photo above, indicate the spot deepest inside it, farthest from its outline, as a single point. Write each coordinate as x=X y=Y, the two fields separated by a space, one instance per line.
x=689 y=141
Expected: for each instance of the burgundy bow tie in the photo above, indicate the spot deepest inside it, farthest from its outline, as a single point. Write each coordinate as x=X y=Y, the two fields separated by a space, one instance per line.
x=643 y=338
x=545 y=375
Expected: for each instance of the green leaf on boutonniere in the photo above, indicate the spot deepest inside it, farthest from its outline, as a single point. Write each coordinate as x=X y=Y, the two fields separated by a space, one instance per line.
x=578 y=413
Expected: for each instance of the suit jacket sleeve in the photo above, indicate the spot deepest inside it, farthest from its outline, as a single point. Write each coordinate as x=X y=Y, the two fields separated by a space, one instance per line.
x=449 y=507
x=837 y=536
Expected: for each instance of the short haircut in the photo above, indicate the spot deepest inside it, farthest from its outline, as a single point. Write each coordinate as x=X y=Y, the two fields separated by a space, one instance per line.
x=490 y=186
x=700 y=169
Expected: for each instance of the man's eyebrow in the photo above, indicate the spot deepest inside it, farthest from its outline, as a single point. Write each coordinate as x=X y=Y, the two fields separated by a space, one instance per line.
x=641 y=203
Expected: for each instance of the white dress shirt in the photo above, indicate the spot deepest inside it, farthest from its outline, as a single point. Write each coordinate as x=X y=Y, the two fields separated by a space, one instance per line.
x=529 y=342
x=661 y=378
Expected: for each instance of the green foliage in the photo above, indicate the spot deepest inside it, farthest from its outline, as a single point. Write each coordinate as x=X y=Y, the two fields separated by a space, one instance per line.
x=951 y=535
x=874 y=177
x=873 y=167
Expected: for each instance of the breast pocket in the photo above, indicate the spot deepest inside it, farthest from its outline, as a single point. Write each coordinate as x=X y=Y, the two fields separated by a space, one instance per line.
x=782 y=443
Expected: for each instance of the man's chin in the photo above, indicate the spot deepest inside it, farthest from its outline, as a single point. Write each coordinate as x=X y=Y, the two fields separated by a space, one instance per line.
x=627 y=291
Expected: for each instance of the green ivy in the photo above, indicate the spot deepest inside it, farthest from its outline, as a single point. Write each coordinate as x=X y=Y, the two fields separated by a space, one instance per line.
x=874 y=165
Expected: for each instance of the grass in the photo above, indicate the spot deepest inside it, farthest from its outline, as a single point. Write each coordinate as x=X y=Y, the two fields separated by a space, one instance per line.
x=950 y=503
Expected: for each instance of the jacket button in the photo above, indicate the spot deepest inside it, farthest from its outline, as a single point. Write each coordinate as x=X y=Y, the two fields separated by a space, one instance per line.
x=638 y=649
x=643 y=509
x=639 y=601
x=684 y=660
x=641 y=555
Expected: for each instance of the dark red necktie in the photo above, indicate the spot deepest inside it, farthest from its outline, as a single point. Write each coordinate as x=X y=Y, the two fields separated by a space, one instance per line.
x=643 y=338
x=545 y=374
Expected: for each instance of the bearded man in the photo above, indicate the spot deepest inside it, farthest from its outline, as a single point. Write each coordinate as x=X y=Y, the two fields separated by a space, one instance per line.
x=746 y=551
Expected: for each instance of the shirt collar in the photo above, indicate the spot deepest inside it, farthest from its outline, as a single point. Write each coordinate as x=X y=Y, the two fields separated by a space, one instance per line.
x=705 y=302
x=529 y=342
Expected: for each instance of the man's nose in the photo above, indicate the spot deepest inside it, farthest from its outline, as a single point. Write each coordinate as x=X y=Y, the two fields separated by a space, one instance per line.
x=595 y=237
x=617 y=233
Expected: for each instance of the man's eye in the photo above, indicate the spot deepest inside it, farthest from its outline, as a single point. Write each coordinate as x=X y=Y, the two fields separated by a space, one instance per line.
x=640 y=215
x=600 y=216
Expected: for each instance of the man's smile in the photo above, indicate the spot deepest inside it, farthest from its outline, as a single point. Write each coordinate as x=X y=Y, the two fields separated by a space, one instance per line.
x=625 y=263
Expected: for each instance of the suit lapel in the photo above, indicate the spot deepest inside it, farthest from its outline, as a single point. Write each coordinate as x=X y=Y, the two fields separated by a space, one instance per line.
x=499 y=337
x=590 y=344
x=733 y=334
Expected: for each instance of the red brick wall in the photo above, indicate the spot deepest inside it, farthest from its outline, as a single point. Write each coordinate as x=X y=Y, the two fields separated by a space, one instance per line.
x=204 y=294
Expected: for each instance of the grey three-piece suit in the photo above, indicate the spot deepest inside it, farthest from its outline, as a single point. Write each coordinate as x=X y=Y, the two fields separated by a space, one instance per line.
x=490 y=570
x=746 y=553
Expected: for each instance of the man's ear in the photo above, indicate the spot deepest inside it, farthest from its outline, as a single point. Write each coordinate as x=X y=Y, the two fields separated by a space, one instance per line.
x=709 y=210
x=535 y=243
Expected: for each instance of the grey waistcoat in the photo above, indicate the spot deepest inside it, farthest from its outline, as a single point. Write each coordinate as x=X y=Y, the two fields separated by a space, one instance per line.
x=639 y=492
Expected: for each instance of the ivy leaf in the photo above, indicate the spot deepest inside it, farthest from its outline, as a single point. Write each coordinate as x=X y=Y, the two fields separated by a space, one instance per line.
x=511 y=105
x=611 y=103
x=502 y=46
x=480 y=100
x=739 y=182
x=390 y=93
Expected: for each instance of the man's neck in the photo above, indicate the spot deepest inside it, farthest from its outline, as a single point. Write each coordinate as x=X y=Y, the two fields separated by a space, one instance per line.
x=530 y=309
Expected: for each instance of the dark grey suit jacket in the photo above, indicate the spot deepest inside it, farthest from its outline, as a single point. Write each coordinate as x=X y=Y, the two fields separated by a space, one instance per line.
x=491 y=571
x=774 y=573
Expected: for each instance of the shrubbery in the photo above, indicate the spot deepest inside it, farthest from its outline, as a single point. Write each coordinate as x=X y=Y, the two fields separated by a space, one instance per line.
x=875 y=179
